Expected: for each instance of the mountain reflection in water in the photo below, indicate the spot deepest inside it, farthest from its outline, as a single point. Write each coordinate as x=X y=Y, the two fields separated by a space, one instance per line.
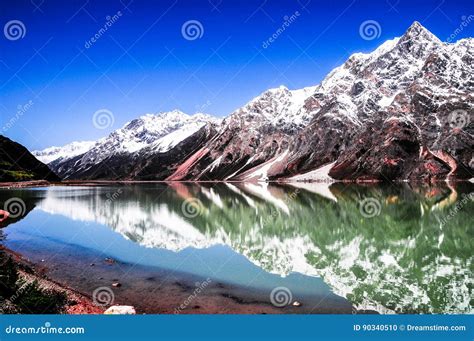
x=411 y=253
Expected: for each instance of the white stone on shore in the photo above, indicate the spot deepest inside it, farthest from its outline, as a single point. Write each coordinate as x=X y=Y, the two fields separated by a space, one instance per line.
x=120 y=310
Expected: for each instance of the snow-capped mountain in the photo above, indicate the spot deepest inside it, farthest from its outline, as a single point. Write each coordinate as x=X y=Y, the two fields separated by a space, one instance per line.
x=413 y=82
x=118 y=154
x=250 y=135
x=403 y=111
x=51 y=154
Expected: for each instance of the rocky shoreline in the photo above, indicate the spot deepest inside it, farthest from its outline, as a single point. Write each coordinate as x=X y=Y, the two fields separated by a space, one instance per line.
x=28 y=273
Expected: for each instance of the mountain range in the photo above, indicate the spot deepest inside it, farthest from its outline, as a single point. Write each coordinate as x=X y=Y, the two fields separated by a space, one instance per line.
x=401 y=112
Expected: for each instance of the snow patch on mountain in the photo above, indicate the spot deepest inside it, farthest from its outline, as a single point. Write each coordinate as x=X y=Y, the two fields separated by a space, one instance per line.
x=65 y=152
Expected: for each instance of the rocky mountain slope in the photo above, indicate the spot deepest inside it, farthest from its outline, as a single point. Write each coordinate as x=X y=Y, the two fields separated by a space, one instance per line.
x=148 y=147
x=17 y=163
x=404 y=111
x=390 y=114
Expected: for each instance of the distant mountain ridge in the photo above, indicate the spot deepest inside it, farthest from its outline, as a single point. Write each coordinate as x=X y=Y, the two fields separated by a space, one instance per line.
x=385 y=115
x=127 y=152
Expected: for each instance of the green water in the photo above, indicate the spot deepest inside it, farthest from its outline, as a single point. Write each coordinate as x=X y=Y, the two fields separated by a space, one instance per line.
x=391 y=248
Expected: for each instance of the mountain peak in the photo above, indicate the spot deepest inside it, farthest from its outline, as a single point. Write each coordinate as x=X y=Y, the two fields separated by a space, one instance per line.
x=419 y=32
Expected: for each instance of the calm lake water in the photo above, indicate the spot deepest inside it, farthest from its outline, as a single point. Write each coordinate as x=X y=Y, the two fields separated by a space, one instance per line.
x=333 y=249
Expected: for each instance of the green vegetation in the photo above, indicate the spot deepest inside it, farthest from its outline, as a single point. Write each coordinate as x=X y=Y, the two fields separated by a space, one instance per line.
x=18 y=296
x=17 y=175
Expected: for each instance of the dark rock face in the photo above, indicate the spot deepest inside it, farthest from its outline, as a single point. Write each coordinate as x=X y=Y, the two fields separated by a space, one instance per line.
x=143 y=165
x=17 y=164
x=381 y=116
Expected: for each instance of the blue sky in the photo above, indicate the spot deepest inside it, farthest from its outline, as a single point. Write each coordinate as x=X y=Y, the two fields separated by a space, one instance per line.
x=143 y=64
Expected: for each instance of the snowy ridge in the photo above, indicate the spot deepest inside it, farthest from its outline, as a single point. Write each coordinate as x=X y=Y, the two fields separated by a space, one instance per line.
x=65 y=152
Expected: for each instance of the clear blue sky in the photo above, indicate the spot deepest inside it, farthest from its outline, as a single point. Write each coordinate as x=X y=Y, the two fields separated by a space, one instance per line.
x=143 y=64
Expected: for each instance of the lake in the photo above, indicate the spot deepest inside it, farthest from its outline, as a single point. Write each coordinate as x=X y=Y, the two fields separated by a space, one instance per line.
x=253 y=248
